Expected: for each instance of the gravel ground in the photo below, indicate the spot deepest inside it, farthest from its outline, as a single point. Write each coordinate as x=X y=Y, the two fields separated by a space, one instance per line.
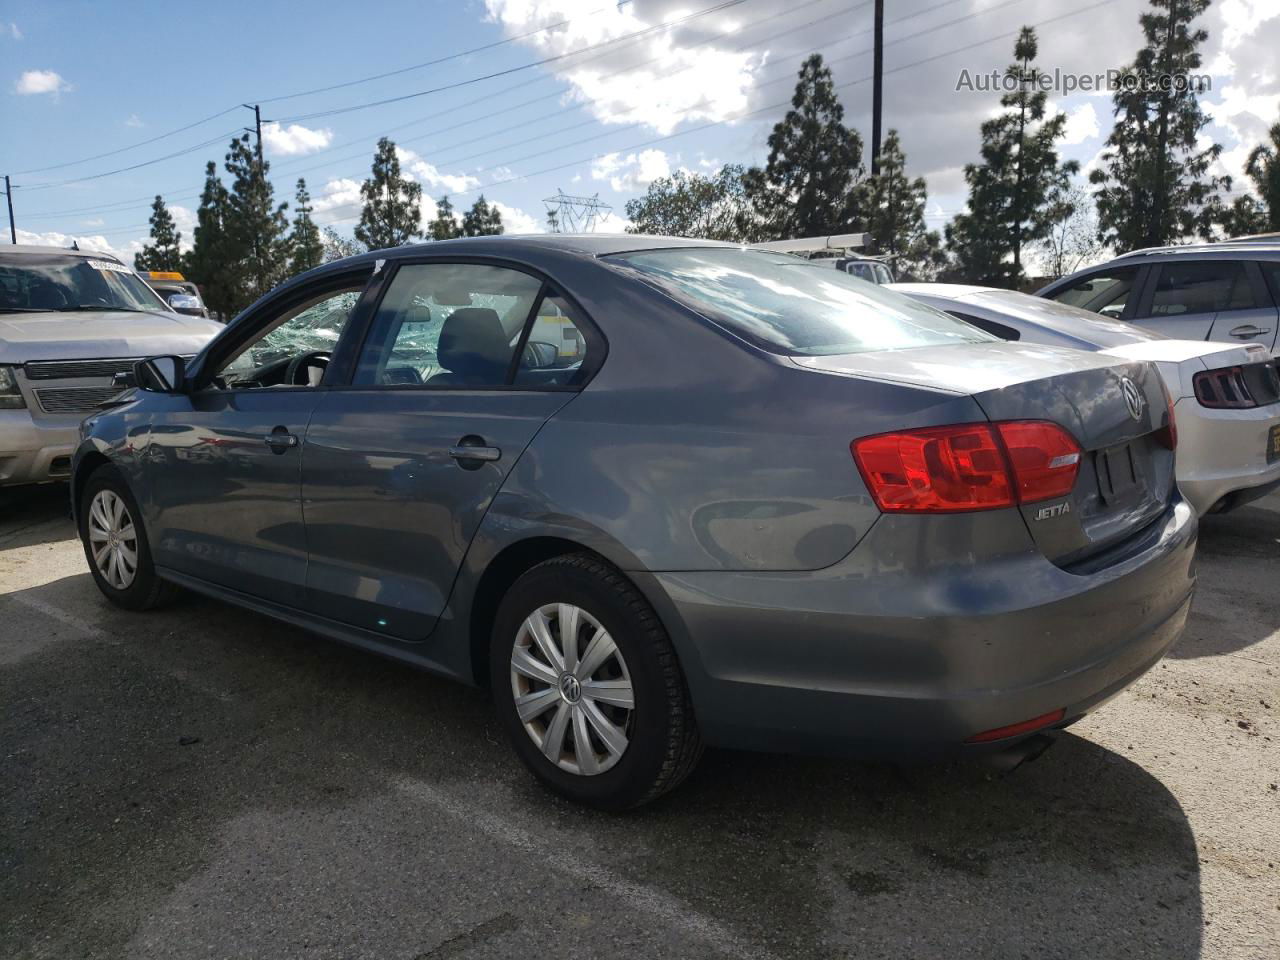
x=202 y=782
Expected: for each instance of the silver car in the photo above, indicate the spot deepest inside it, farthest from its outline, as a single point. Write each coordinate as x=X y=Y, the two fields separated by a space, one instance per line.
x=69 y=322
x=659 y=493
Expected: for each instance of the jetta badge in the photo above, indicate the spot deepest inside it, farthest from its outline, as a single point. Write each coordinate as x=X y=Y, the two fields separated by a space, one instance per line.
x=1132 y=397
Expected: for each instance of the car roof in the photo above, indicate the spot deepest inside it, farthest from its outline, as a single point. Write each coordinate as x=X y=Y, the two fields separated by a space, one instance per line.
x=583 y=244
x=37 y=249
x=1265 y=248
x=952 y=290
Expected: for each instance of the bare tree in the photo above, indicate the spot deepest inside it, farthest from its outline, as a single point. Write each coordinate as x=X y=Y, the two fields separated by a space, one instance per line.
x=1072 y=241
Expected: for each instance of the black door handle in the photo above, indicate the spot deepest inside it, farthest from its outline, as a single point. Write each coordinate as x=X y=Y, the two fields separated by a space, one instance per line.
x=280 y=440
x=472 y=452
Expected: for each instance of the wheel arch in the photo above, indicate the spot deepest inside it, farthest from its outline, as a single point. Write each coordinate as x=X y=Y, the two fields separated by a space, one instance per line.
x=88 y=463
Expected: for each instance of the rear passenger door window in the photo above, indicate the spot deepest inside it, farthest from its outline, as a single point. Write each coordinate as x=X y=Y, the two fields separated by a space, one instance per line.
x=464 y=326
x=1205 y=286
x=448 y=326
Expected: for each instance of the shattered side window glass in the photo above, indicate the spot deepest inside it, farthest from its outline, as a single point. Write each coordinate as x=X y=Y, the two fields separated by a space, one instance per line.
x=314 y=330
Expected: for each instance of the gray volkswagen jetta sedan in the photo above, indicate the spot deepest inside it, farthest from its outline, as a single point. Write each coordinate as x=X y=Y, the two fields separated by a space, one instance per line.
x=656 y=494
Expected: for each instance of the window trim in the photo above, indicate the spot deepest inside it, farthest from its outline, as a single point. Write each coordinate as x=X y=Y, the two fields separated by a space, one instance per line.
x=597 y=344
x=1137 y=292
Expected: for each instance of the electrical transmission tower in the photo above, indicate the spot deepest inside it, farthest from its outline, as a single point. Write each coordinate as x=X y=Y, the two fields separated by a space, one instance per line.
x=569 y=214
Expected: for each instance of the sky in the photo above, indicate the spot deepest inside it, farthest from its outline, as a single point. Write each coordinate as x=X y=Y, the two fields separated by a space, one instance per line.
x=104 y=105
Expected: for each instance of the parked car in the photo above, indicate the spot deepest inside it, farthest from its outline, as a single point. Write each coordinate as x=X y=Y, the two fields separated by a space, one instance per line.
x=1226 y=398
x=766 y=505
x=871 y=269
x=69 y=322
x=177 y=291
x=1214 y=291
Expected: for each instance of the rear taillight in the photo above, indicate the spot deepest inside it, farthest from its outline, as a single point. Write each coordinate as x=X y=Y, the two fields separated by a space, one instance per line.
x=970 y=466
x=1223 y=388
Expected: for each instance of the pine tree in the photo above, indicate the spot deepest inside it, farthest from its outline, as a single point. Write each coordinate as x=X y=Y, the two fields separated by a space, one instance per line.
x=210 y=263
x=306 y=247
x=163 y=252
x=688 y=204
x=893 y=207
x=1263 y=168
x=481 y=220
x=553 y=220
x=1154 y=177
x=808 y=187
x=392 y=205
x=445 y=225
x=1019 y=190
x=256 y=227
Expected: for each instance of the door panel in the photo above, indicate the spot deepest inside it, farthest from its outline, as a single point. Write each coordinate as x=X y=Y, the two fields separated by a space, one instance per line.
x=389 y=510
x=225 y=487
x=1189 y=296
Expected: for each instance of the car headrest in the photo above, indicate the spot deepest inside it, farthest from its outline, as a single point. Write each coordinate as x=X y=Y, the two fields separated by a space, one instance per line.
x=474 y=346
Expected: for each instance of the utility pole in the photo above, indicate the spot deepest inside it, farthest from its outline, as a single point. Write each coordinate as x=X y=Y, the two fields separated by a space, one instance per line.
x=257 y=128
x=8 y=195
x=877 y=88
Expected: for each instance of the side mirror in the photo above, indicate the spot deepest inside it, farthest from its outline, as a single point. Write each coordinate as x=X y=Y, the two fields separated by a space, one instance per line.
x=185 y=301
x=160 y=374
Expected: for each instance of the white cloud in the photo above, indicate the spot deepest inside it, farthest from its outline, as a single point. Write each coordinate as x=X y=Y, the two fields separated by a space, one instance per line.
x=1082 y=124
x=515 y=220
x=674 y=75
x=34 y=82
x=134 y=121
x=633 y=171
x=93 y=222
x=338 y=199
x=13 y=31
x=415 y=168
x=294 y=140
x=52 y=238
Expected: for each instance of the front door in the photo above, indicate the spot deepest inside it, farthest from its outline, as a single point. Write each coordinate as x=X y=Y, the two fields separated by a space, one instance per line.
x=400 y=467
x=225 y=459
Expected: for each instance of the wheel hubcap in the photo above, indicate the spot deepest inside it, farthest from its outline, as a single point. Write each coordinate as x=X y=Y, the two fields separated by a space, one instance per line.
x=572 y=689
x=112 y=539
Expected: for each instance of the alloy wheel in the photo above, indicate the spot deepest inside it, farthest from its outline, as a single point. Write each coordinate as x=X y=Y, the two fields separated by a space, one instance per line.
x=113 y=541
x=572 y=690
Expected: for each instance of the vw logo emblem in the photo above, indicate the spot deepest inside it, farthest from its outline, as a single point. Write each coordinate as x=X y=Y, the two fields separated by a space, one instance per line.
x=1132 y=397
x=570 y=689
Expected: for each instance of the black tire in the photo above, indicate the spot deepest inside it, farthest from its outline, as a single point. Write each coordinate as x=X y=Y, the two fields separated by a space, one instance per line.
x=146 y=589
x=664 y=745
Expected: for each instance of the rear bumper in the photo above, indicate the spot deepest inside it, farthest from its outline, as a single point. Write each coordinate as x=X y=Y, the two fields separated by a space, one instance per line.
x=863 y=657
x=34 y=452
x=1223 y=452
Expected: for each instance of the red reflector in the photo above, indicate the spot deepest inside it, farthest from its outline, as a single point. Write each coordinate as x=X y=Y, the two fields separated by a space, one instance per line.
x=1013 y=729
x=935 y=470
x=1045 y=459
x=968 y=466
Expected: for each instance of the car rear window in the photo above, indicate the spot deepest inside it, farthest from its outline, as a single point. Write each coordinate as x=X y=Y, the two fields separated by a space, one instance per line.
x=786 y=305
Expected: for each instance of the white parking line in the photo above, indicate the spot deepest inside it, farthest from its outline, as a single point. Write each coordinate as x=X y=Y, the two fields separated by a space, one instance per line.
x=635 y=895
x=67 y=619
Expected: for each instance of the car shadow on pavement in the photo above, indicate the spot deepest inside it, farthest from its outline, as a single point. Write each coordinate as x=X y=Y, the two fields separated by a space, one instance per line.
x=132 y=741
x=1235 y=605
x=34 y=514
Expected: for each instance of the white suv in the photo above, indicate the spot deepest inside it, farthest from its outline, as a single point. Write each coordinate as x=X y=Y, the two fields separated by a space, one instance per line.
x=70 y=320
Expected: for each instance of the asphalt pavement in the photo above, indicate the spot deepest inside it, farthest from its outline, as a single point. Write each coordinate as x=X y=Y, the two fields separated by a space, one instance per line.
x=202 y=782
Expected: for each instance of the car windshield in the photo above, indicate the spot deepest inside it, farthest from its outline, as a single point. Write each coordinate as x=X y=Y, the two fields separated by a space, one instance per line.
x=60 y=282
x=787 y=305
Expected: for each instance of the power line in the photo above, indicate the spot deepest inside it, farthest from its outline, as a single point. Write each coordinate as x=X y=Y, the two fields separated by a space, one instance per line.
x=771 y=107
x=453 y=56
x=52 y=214
x=135 y=166
x=320 y=114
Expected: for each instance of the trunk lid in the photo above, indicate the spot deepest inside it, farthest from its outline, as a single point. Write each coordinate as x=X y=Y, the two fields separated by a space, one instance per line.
x=1114 y=408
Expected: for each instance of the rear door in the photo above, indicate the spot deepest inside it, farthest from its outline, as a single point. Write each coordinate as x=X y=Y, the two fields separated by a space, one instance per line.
x=401 y=463
x=1208 y=299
